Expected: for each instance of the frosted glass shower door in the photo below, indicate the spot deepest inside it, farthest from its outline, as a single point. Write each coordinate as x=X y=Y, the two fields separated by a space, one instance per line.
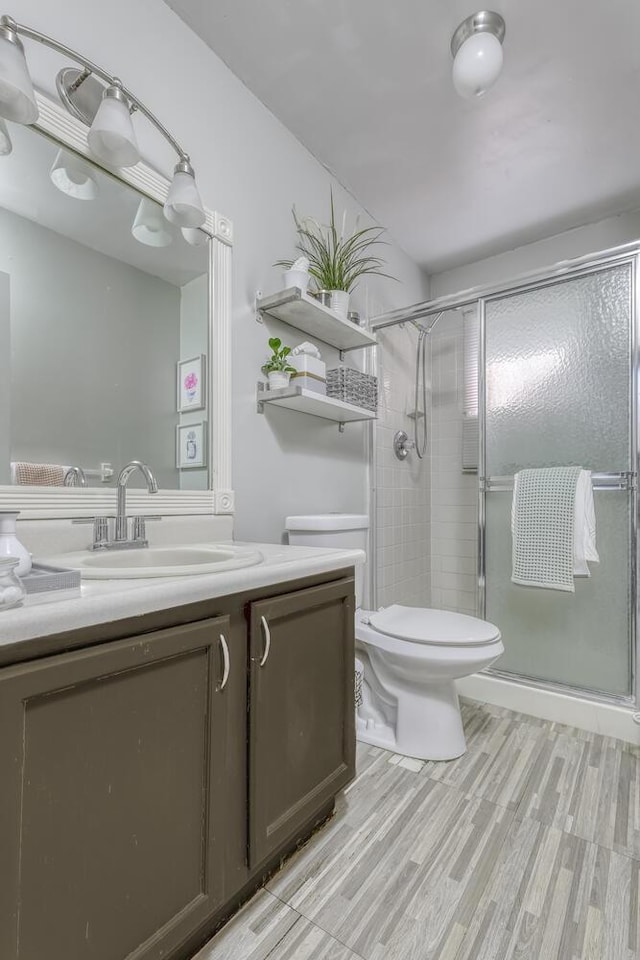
x=558 y=384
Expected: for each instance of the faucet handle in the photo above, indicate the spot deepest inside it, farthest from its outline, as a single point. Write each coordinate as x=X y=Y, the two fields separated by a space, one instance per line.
x=100 y=530
x=139 y=532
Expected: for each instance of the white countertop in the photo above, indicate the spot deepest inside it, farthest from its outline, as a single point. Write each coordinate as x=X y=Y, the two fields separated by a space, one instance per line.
x=103 y=601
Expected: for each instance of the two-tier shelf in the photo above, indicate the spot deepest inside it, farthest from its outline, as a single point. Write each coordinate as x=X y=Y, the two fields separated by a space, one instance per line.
x=307 y=314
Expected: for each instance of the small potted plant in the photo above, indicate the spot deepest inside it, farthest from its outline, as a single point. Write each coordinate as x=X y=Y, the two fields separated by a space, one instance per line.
x=277 y=367
x=337 y=260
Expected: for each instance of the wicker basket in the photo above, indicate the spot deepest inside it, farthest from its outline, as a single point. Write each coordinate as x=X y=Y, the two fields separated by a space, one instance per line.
x=361 y=389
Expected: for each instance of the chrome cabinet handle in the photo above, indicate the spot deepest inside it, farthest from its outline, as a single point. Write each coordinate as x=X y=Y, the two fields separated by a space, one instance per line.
x=225 y=659
x=267 y=641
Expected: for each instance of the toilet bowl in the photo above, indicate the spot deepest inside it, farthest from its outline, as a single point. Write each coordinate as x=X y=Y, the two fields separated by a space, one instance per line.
x=412 y=657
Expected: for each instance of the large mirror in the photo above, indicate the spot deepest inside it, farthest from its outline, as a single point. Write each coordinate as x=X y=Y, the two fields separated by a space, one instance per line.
x=104 y=327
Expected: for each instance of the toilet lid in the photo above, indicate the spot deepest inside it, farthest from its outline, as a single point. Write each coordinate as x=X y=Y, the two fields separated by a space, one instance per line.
x=423 y=625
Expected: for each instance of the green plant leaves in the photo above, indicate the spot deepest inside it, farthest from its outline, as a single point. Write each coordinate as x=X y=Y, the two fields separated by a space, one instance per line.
x=337 y=262
x=278 y=359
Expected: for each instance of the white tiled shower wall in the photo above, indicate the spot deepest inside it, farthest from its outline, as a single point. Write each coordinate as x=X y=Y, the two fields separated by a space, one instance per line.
x=403 y=532
x=454 y=494
x=427 y=511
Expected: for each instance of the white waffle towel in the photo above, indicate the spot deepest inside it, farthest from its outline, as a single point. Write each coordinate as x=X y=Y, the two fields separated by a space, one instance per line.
x=552 y=526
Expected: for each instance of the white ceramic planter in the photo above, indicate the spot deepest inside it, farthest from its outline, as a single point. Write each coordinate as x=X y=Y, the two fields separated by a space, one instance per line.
x=340 y=302
x=296 y=278
x=278 y=380
x=10 y=546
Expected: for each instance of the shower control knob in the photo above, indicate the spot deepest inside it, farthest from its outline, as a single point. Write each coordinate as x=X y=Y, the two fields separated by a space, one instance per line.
x=402 y=445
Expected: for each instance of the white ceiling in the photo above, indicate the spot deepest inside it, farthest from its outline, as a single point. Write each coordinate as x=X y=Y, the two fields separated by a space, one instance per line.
x=366 y=86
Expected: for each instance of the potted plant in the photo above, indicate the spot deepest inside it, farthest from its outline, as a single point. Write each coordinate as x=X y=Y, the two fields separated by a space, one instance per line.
x=277 y=367
x=337 y=260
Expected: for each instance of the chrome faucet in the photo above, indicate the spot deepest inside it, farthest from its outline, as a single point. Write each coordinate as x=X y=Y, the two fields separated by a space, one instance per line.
x=102 y=525
x=75 y=477
x=122 y=532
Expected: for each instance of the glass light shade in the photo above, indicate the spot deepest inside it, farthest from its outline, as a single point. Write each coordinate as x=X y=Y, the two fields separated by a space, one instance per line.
x=183 y=205
x=193 y=236
x=477 y=65
x=112 y=138
x=149 y=226
x=73 y=177
x=5 y=140
x=17 y=98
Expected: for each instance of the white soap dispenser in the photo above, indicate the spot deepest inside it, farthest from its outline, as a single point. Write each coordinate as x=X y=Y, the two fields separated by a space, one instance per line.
x=10 y=546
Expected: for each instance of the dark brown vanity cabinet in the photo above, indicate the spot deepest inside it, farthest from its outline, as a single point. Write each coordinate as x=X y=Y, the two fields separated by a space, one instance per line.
x=154 y=771
x=301 y=710
x=115 y=800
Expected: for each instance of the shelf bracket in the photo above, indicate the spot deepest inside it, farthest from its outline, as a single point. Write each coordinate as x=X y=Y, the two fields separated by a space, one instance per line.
x=258 y=312
x=341 y=427
x=341 y=354
x=259 y=403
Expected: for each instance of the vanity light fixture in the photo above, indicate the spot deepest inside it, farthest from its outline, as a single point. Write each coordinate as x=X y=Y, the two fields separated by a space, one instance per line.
x=5 y=140
x=112 y=138
x=17 y=97
x=149 y=226
x=476 y=47
x=100 y=101
x=194 y=237
x=74 y=177
x=183 y=205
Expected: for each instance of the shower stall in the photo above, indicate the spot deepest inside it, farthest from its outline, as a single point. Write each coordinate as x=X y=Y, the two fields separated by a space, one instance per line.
x=539 y=372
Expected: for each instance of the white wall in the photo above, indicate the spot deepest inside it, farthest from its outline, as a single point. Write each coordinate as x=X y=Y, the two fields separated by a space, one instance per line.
x=533 y=256
x=252 y=169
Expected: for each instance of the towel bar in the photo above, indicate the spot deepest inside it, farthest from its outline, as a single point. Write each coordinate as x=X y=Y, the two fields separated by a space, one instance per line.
x=600 y=481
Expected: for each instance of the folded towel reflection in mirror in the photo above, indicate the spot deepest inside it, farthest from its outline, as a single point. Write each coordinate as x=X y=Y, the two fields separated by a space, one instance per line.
x=38 y=474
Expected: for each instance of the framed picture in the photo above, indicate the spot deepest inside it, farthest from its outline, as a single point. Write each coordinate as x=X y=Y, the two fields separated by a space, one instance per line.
x=191 y=445
x=191 y=380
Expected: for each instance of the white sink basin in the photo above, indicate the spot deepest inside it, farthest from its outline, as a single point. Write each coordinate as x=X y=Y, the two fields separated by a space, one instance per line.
x=161 y=561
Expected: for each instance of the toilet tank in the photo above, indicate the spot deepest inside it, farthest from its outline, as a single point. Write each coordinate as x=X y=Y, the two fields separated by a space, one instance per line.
x=342 y=531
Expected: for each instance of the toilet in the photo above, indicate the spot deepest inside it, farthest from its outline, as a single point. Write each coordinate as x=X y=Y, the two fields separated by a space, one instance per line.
x=411 y=656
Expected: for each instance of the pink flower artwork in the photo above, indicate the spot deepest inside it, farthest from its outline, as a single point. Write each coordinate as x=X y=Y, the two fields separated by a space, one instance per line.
x=190 y=383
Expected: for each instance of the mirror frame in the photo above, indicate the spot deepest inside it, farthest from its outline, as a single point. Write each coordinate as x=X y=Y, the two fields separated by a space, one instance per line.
x=61 y=502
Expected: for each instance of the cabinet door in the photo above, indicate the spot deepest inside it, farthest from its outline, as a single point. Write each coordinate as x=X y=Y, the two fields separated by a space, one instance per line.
x=301 y=713
x=113 y=796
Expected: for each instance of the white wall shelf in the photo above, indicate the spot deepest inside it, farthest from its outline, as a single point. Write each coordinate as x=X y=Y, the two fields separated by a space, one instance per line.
x=315 y=404
x=305 y=313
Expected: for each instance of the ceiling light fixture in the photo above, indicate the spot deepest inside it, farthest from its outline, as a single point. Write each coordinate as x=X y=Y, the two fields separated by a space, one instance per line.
x=476 y=47
x=103 y=103
x=73 y=176
x=149 y=226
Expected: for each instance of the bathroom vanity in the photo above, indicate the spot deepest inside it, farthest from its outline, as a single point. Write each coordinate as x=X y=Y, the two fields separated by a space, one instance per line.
x=156 y=768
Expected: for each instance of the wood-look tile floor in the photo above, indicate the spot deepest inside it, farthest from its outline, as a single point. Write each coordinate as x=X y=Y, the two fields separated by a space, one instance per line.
x=526 y=848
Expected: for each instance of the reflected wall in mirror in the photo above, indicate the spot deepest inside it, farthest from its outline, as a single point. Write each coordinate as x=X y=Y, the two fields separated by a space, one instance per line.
x=100 y=299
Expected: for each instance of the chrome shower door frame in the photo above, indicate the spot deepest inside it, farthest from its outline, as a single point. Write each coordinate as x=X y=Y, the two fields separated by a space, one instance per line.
x=581 y=268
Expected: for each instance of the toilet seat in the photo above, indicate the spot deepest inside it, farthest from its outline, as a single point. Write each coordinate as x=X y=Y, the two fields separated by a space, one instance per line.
x=433 y=627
